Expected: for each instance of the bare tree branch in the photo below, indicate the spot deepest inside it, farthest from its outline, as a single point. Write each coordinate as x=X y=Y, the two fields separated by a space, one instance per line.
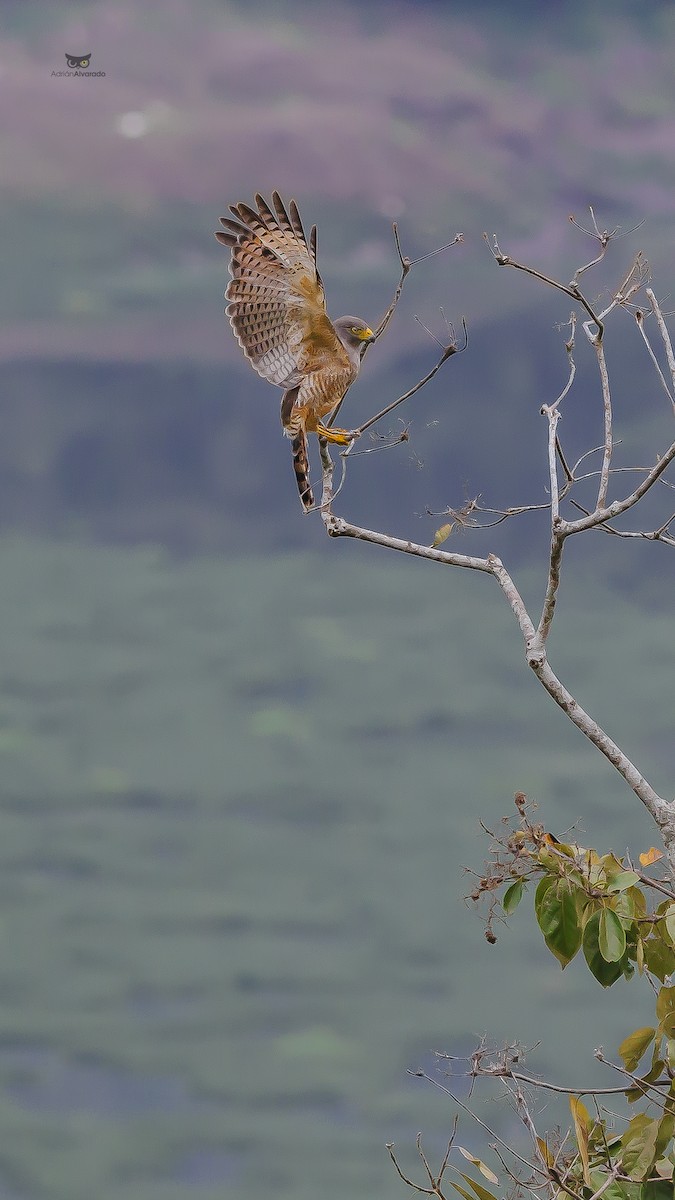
x=661 y=810
x=640 y=322
x=557 y=542
x=477 y=1119
x=600 y=515
x=665 y=336
x=571 y=289
x=607 y=418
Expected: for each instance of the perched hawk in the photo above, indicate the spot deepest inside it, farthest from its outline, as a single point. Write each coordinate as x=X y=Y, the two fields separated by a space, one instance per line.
x=278 y=313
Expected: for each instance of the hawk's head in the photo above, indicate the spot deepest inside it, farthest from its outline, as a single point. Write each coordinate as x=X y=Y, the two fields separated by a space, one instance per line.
x=354 y=334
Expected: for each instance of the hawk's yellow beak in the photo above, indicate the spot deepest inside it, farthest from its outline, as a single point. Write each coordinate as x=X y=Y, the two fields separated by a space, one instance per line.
x=365 y=335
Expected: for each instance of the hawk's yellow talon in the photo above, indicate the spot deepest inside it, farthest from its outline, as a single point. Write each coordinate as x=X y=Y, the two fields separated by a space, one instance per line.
x=341 y=437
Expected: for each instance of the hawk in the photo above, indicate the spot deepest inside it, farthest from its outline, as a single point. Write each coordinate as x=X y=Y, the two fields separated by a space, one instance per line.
x=277 y=309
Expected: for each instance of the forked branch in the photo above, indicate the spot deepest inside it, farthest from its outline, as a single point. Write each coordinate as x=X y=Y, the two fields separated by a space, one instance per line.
x=406 y=266
x=604 y=513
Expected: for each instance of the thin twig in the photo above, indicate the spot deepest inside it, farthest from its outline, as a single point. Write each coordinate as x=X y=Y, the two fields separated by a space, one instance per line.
x=406 y=266
x=620 y=506
x=640 y=322
x=633 y=281
x=607 y=421
x=569 y=476
x=447 y=353
x=557 y=542
x=603 y=239
x=663 y=330
x=654 y=535
x=571 y=290
x=435 y=1181
x=640 y=1084
x=471 y=1113
x=409 y=1182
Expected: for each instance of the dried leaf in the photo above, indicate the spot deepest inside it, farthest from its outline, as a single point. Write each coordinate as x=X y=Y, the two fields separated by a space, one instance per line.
x=546 y=1155
x=650 y=856
x=441 y=535
x=582 y=1128
x=484 y=1170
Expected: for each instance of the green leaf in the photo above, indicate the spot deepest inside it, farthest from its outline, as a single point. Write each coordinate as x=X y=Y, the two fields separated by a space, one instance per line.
x=658 y=955
x=543 y=887
x=622 y=881
x=462 y=1191
x=611 y=936
x=664 y=1168
x=618 y=1190
x=656 y=1070
x=657 y=1189
x=665 y=1134
x=513 y=896
x=481 y=1192
x=639 y=902
x=639 y=1146
x=559 y=921
x=665 y=1001
x=605 y=972
x=667 y=1025
x=633 y=1047
x=623 y=904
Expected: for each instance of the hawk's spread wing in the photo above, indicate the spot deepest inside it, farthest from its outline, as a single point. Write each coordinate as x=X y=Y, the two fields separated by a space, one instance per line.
x=277 y=307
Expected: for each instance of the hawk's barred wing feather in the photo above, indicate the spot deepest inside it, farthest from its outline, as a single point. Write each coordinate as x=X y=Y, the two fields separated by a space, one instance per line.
x=277 y=306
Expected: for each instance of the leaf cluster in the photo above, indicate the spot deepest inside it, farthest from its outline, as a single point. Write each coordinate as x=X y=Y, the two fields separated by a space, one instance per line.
x=597 y=903
x=633 y=1165
x=621 y=921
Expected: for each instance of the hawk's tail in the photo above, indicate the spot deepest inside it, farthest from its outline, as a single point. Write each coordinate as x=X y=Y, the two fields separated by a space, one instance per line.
x=301 y=468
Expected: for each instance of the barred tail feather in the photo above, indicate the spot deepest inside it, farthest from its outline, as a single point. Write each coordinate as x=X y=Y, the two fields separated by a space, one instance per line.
x=301 y=468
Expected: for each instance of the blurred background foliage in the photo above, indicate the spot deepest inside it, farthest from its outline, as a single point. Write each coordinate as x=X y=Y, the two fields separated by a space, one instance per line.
x=243 y=767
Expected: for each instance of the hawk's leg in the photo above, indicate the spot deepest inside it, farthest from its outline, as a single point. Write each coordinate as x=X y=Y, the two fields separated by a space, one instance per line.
x=341 y=437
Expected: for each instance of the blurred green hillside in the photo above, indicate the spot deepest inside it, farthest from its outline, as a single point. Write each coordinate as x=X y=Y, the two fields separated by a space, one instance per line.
x=238 y=797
